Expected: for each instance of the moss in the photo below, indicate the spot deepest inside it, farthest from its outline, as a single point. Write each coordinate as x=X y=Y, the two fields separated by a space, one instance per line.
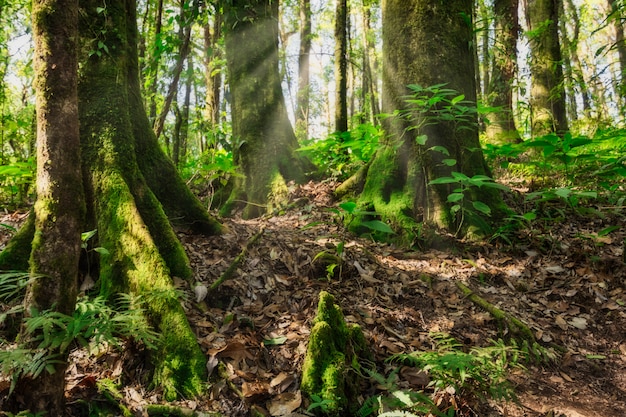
x=16 y=254
x=333 y=348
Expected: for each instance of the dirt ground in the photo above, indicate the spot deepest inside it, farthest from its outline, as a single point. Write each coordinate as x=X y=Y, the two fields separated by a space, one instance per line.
x=567 y=283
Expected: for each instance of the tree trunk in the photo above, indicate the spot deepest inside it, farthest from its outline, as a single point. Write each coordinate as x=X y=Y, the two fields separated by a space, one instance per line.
x=616 y=17
x=181 y=125
x=184 y=34
x=416 y=50
x=569 y=49
x=213 y=74
x=341 y=66
x=265 y=143
x=501 y=126
x=547 y=96
x=153 y=68
x=302 y=103
x=59 y=209
x=369 y=88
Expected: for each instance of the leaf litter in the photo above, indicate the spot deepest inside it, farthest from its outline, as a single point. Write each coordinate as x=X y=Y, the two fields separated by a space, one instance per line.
x=254 y=326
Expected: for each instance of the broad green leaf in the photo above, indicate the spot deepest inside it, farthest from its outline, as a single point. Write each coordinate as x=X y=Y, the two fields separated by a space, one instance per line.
x=348 y=206
x=378 y=226
x=449 y=162
x=443 y=180
x=482 y=207
x=441 y=149
x=563 y=192
x=454 y=197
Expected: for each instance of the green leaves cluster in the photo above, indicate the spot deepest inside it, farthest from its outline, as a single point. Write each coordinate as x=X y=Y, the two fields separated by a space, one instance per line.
x=480 y=372
x=342 y=153
x=94 y=324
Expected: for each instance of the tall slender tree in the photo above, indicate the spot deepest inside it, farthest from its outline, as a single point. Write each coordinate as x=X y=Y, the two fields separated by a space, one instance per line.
x=547 y=96
x=59 y=208
x=213 y=70
x=499 y=94
x=341 y=66
x=304 y=77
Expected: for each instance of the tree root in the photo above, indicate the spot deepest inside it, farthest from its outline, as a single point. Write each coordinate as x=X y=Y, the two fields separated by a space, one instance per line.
x=517 y=327
x=228 y=274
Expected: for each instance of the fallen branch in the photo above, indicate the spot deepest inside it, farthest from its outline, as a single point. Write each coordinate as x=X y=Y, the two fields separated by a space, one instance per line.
x=515 y=325
x=228 y=274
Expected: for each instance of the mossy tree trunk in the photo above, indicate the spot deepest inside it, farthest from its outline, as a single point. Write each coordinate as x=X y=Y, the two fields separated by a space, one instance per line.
x=265 y=143
x=501 y=127
x=132 y=185
x=417 y=50
x=547 y=95
x=131 y=188
x=59 y=209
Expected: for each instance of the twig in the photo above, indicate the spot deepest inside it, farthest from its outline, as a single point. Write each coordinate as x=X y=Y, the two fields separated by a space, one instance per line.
x=515 y=325
x=228 y=274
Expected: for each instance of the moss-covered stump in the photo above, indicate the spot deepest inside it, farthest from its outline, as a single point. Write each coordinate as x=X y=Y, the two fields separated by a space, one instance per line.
x=333 y=348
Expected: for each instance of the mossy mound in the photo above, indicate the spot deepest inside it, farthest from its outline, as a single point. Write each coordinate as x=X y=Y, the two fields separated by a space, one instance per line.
x=334 y=349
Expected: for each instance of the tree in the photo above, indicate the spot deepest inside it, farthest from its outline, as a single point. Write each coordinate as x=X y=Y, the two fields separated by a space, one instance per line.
x=501 y=127
x=616 y=16
x=416 y=50
x=59 y=208
x=131 y=189
x=304 y=78
x=547 y=96
x=341 y=66
x=213 y=71
x=265 y=142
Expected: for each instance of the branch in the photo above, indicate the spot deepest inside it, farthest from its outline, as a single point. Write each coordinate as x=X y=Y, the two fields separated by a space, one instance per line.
x=228 y=274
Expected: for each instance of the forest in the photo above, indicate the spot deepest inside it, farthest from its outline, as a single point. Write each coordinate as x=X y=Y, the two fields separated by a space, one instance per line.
x=395 y=208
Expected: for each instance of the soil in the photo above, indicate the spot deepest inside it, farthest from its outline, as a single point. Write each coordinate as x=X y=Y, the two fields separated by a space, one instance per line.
x=565 y=281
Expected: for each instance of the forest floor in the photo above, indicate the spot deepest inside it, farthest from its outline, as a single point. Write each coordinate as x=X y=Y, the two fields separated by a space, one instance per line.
x=566 y=283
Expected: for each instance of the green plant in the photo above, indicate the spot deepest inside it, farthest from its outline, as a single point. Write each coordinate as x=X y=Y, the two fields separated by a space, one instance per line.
x=463 y=203
x=319 y=404
x=94 y=324
x=395 y=401
x=348 y=212
x=16 y=179
x=342 y=153
x=481 y=372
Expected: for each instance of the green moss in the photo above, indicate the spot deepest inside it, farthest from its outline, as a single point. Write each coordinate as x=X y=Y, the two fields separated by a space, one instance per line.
x=333 y=348
x=16 y=254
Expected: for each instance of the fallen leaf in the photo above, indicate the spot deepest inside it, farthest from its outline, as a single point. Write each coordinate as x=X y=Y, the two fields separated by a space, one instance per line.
x=579 y=323
x=560 y=321
x=285 y=403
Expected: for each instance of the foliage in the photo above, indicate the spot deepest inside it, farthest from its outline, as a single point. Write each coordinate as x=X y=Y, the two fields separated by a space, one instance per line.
x=571 y=175
x=463 y=205
x=210 y=171
x=481 y=373
x=436 y=104
x=95 y=324
x=342 y=153
x=16 y=179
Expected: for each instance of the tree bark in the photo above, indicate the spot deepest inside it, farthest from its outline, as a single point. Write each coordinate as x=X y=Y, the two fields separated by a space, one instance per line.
x=265 y=142
x=213 y=75
x=341 y=66
x=415 y=50
x=302 y=103
x=547 y=96
x=184 y=34
x=59 y=209
x=501 y=127
x=616 y=16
